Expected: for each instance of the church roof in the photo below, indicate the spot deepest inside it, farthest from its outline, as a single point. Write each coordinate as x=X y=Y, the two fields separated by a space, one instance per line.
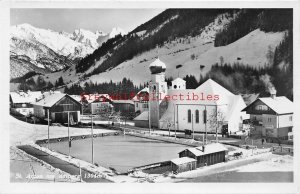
x=212 y=87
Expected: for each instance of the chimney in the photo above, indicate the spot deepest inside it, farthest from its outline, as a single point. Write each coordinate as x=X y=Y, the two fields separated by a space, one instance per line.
x=273 y=92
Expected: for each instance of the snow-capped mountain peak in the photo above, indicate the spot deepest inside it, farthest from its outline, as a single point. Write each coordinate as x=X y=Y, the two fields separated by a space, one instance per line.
x=115 y=31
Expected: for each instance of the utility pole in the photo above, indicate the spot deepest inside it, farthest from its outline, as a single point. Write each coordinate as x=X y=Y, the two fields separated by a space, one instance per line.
x=92 y=131
x=149 y=115
x=48 y=130
x=205 y=120
x=217 y=123
x=177 y=121
x=69 y=133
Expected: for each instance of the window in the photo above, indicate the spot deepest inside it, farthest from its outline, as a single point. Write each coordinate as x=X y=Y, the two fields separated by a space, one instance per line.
x=261 y=107
x=291 y=118
x=175 y=86
x=269 y=120
x=197 y=116
x=189 y=116
x=145 y=105
x=137 y=105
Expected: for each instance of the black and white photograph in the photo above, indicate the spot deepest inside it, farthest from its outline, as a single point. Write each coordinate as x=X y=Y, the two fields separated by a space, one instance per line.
x=112 y=95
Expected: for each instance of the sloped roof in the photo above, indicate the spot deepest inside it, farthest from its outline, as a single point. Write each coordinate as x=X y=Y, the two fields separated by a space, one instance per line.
x=146 y=90
x=209 y=148
x=144 y=116
x=50 y=99
x=183 y=160
x=177 y=80
x=212 y=87
x=76 y=97
x=280 y=105
x=23 y=97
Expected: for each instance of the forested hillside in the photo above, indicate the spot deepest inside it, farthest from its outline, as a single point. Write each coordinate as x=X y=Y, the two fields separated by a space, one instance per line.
x=167 y=26
x=267 y=20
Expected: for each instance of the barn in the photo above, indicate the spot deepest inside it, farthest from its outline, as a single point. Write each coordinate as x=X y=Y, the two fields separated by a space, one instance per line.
x=183 y=164
x=206 y=155
x=58 y=105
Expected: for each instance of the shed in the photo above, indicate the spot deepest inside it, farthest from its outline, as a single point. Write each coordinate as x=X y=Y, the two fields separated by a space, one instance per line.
x=183 y=164
x=142 y=120
x=206 y=155
x=58 y=105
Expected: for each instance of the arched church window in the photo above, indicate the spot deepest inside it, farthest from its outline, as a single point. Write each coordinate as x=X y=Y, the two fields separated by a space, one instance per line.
x=189 y=116
x=197 y=116
x=175 y=86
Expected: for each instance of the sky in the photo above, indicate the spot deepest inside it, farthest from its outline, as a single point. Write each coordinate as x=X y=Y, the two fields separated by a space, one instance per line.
x=90 y=19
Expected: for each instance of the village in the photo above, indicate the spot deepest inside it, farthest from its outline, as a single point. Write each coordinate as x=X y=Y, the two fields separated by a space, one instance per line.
x=210 y=129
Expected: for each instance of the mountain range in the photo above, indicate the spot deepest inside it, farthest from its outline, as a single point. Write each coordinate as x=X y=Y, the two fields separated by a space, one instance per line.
x=39 y=50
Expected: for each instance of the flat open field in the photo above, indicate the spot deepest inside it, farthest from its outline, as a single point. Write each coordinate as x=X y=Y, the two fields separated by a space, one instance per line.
x=120 y=152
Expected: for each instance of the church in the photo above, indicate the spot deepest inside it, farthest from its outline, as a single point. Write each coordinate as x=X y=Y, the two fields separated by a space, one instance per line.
x=210 y=107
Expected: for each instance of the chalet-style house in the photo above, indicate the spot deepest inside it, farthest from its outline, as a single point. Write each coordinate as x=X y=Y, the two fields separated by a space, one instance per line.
x=21 y=102
x=271 y=116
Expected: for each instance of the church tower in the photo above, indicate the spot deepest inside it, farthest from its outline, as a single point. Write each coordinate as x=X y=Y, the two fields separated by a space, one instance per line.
x=158 y=89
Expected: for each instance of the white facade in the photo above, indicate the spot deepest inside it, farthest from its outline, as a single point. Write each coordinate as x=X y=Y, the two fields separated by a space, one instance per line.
x=179 y=108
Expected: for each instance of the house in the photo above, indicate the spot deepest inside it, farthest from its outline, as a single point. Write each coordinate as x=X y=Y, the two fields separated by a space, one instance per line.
x=183 y=164
x=141 y=100
x=21 y=102
x=57 y=105
x=271 y=116
x=206 y=155
x=208 y=108
x=102 y=104
x=123 y=106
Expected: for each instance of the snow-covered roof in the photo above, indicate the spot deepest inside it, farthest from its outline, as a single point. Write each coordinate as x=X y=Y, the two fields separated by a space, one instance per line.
x=280 y=104
x=183 y=160
x=25 y=97
x=50 y=99
x=123 y=102
x=93 y=97
x=209 y=148
x=145 y=90
x=211 y=87
x=76 y=97
x=158 y=63
x=178 y=80
x=144 y=116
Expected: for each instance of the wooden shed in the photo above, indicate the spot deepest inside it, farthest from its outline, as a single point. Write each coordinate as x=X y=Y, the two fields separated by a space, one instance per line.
x=183 y=164
x=58 y=105
x=206 y=155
